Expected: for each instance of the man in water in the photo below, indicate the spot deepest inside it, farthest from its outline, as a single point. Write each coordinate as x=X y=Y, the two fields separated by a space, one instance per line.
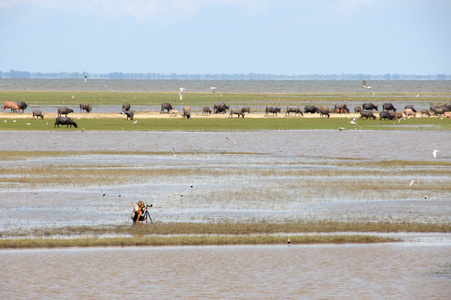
x=138 y=210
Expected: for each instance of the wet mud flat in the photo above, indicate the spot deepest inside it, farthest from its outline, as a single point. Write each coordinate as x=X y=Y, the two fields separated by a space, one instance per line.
x=265 y=176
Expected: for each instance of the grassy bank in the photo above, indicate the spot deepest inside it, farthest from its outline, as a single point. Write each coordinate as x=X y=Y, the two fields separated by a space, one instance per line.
x=225 y=124
x=188 y=241
x=180 y=234
x=228 y=228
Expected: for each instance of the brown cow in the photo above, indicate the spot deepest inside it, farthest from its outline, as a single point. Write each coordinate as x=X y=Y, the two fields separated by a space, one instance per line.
x=409 y=112
x=187 y=112
x=12 y=105
x=399 y=115
x=206 y=110
x=447 y=114
x=425 y=112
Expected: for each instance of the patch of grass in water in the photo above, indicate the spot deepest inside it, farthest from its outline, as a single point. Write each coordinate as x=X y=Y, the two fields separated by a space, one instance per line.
x=188 y=241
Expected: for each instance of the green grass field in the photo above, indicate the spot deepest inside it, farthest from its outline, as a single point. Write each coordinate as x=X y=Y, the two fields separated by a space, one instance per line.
x=225 y=124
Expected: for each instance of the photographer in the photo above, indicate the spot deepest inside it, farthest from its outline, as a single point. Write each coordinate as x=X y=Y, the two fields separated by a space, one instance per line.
x=138 y=210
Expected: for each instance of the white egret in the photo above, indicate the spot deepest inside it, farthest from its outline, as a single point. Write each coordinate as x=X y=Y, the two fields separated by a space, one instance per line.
x=181 y=90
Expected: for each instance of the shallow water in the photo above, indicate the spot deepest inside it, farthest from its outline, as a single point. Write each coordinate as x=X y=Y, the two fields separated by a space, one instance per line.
x=407 y=271
x=256 y=195
x=230 y=86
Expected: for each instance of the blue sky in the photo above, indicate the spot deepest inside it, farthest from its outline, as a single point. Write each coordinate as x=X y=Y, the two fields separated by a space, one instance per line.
x=289 y=37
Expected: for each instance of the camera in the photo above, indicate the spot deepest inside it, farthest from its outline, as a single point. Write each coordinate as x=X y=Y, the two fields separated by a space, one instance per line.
x=148 y=205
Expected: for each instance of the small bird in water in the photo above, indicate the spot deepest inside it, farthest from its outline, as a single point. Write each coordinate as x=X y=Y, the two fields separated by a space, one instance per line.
x=135 y=122
x=411 y=182
x=103 y=195
x=289 y=241
x=120 y=195
x=173 y=151
x=435 y=153
x=341 y=128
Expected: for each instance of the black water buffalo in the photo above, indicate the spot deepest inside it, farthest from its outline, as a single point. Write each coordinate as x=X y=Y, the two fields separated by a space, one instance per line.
x=410 y=107
x=187 y=112
x=206 y=111
x=388 y=107
x=294 y=109
x=324 y=111
x=438 y=110
x=37 y=113
x=246 y=109
x=125 y=107
x=357 y=109
x=165 y=106
x=22 y=105
x=272 y=109
x=64 y=121
x=85 y=107
x=369 y=106
x=64 y=111
x=220 y=107
x=385 y=114
x=432 y=108
x=341 y=109
x=236 y=111
x=310 y=109
x=367 y=114
x=447 y=106
x=130 y=114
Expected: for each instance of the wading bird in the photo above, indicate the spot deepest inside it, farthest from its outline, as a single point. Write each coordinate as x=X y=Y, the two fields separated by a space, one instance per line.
x=365 y=85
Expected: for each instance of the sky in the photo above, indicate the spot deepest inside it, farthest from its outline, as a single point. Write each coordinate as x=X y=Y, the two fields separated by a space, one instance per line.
x=283 y=37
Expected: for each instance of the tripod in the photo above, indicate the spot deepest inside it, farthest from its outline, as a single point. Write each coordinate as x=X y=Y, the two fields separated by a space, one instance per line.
x=147 y=216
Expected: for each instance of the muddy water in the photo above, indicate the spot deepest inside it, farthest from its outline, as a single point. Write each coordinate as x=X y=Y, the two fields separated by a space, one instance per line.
x=407 y=271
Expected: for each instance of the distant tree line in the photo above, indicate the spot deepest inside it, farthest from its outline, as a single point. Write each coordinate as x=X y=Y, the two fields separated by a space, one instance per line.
x=222 y=76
